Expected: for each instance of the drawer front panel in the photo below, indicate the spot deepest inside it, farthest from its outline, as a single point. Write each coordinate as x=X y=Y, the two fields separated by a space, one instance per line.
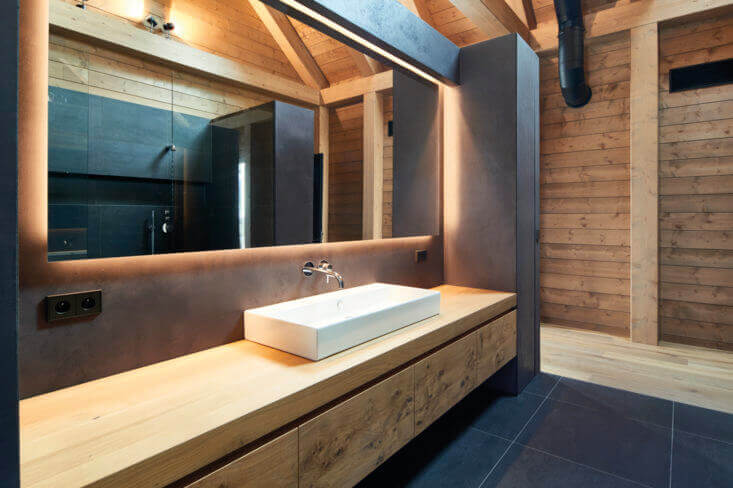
x=497 y=345
x=342 y=445
x=274 y=464
x=443 y=379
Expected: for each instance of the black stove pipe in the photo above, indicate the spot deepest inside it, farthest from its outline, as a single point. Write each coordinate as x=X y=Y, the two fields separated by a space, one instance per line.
x=575 y=90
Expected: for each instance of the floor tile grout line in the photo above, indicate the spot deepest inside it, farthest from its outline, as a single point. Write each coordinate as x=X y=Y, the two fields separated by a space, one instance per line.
x=671 y=448
x=519 y=433
x=601 y=410
x=705 y=437
x=585 y=465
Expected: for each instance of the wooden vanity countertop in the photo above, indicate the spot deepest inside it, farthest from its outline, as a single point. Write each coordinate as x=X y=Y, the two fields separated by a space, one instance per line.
x=153 y=425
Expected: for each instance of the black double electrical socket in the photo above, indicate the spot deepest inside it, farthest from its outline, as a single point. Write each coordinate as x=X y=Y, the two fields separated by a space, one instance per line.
x=72 y=305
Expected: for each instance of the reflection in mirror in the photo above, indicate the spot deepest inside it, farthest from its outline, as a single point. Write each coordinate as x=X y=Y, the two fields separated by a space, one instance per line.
x=145 y=158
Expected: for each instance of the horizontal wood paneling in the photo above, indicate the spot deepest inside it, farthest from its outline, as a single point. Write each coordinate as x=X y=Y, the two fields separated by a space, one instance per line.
x=89 y=68
x=585 y=193
x=696 y=190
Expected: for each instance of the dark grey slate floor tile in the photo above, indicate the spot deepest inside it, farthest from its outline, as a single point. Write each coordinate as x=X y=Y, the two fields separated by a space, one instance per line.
x=700 y=462
x=523 y=467
x=542 y=384
x=440 y=458
x=500 y=415
x=625 y=447
x=708 y=423
x=619 y=402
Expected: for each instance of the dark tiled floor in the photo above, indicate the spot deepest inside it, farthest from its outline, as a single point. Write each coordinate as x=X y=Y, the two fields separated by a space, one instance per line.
x=566 y=433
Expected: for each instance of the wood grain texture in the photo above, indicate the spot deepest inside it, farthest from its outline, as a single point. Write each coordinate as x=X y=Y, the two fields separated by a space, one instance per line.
x=342 y=445
x=291 y=44
x=696 y=188
x=691 y=375
x=129 y=430
x=99 y=26
x=274 y=464
x=497 y=345
x=373 y=179
x=586 y=189
x=444 y=378
x=644 y=184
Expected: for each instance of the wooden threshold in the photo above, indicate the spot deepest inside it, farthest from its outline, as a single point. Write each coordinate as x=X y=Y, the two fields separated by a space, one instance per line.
x=685 y=374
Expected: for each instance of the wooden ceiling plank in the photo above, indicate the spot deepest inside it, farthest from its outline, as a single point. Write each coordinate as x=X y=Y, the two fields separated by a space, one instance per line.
x=66 y=17
x=494 y=17
x=625 y=17
x=291 y=45
x=366 y=65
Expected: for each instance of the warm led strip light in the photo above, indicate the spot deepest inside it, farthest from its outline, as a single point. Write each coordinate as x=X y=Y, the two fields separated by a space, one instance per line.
x=295 y=5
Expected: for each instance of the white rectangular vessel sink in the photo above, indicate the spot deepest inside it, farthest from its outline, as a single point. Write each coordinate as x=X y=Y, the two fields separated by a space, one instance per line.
x=319 y=326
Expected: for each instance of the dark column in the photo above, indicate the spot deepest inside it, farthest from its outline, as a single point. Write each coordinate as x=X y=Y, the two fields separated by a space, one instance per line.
x=492 y=168
x=9 y=460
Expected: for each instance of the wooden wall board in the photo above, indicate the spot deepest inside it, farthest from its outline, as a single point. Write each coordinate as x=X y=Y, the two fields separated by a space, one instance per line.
x=696 y=189
x=644 y=184
x=585 y=174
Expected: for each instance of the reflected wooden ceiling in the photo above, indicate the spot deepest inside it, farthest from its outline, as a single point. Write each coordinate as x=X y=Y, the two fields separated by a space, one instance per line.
x=250 y=32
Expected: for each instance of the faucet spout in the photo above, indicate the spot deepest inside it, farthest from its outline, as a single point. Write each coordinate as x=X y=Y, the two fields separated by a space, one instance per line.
x=325 y=268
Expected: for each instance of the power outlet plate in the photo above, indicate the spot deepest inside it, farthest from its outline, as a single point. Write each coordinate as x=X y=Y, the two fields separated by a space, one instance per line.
x=72 y=305
x=421 y=255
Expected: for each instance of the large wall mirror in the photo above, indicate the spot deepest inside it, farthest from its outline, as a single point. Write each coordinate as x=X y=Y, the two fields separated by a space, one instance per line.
x=147 y=157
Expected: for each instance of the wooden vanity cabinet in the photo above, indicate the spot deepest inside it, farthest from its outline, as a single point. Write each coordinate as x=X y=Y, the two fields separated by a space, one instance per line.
x=497 y=345
x=443 y=379
x=341 y=445
x=345 y=443
x=274 y=465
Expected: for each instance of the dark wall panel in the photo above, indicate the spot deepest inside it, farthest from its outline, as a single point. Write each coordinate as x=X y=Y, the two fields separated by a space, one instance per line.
x=293 y=174
x=416 y=167
x=492 y=179
x=9 y=458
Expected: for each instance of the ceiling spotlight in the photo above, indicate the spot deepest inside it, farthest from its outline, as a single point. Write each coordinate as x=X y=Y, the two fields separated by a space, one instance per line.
x=168 y=28
x=150 y=22
x=82 y=4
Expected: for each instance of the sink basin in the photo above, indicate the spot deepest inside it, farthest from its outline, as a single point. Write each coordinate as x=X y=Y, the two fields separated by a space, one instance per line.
x=319 y=326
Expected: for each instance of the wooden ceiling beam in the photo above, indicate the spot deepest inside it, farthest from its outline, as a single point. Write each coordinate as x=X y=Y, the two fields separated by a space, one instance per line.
x=366 y=65
x=65 y=17
x=494 y=17
x=285 y=35
x=529 y=13
x=627 y=17
x=352 y=90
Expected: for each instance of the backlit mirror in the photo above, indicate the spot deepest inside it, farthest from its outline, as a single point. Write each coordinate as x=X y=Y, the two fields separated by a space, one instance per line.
x=150 y=157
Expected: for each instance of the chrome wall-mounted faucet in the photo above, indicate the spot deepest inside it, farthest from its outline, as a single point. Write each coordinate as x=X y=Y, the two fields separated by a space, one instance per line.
x=325 y=268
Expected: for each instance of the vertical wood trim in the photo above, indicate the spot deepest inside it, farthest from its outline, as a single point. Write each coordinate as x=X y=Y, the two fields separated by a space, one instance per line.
x=644 y=184
x=322 y=146
x=373 y=165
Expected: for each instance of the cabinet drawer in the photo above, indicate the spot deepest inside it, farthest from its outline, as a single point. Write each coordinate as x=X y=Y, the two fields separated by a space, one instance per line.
x=497 y=345
x=443 y=379
x=342 y=445
x=274 y=464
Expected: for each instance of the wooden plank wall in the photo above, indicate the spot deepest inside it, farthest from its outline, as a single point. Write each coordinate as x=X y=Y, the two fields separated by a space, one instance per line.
x=345 y=172
x=84 y=67
x=696 y=190
x=223 y=27
x=388 y=165
x=345 y=176
x=584 y=190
